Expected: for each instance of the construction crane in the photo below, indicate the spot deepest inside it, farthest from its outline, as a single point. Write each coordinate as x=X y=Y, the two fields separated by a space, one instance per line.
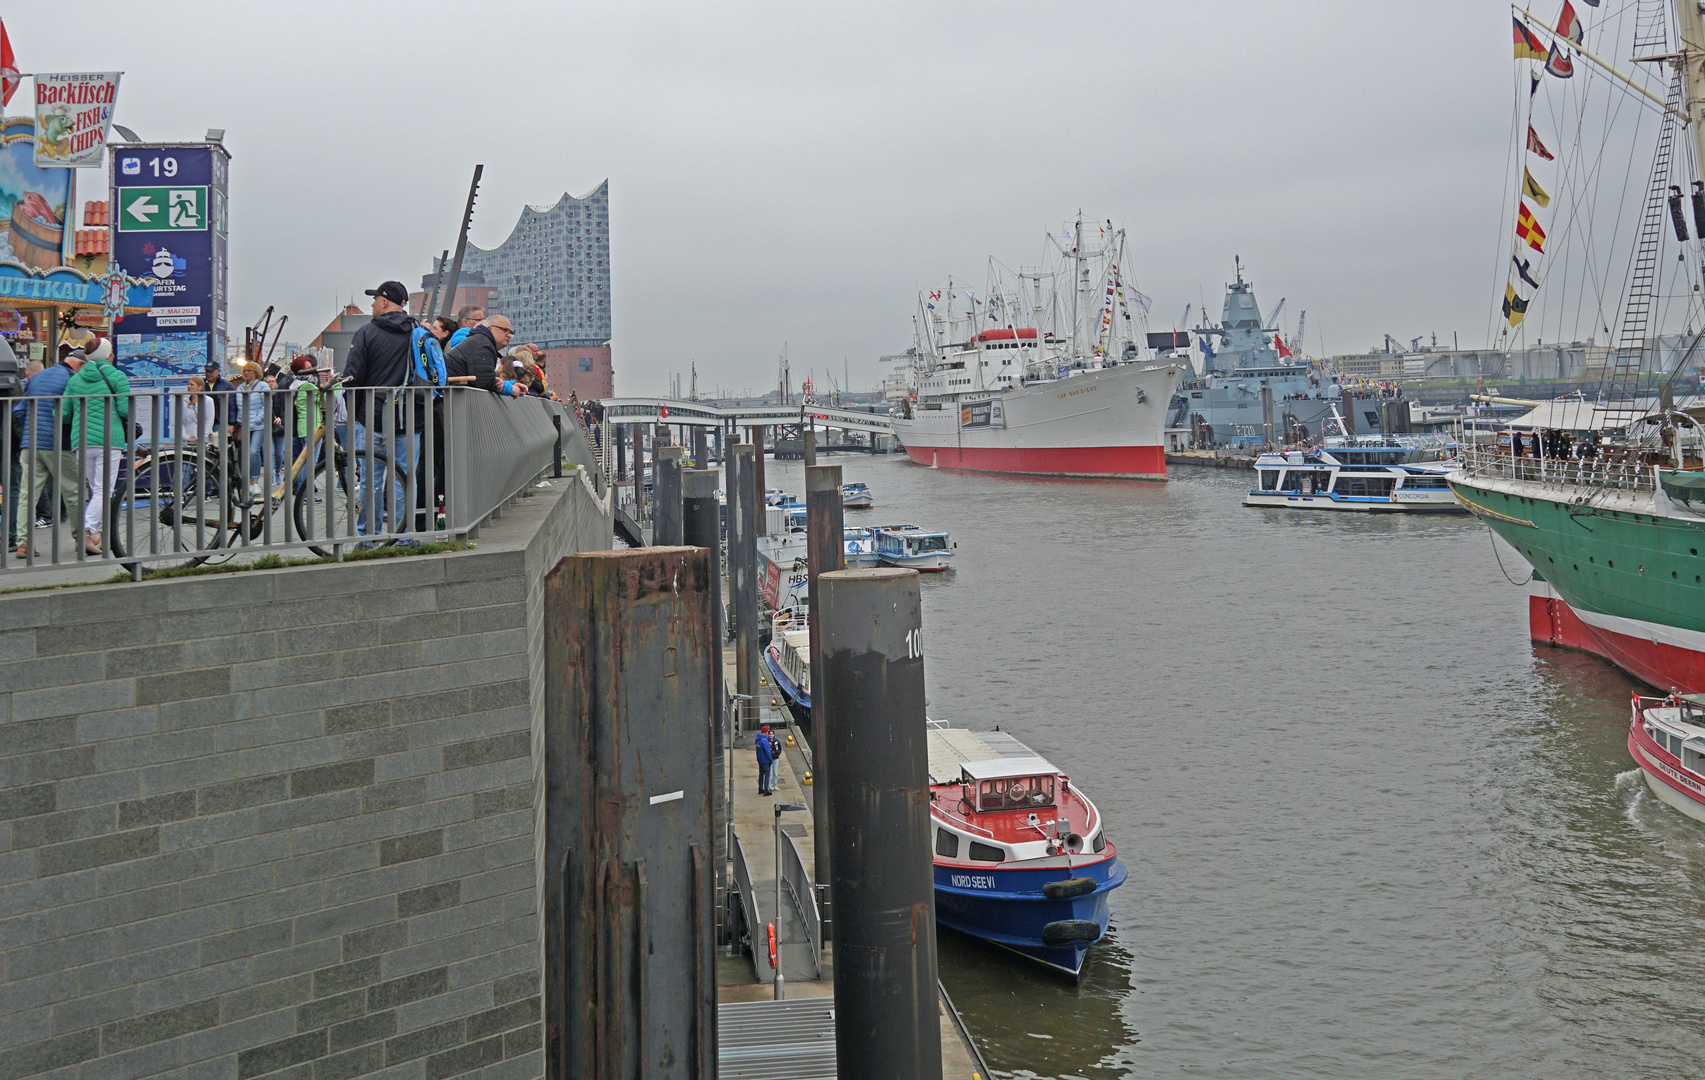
x=1274 y=317
x=1302 y=321
x=1185 y=321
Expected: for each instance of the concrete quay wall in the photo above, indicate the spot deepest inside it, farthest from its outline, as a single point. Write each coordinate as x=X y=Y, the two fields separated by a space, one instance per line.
x=282 y=823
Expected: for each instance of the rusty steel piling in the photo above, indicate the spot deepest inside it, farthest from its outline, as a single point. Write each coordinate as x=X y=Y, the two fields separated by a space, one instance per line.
x=701 y=522
x=630 y=981
x=666 y=496
x=871 y=690
x=744 y=501
x=825 y=552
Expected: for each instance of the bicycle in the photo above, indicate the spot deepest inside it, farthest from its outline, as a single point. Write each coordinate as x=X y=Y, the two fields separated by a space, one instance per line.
x=183 y=482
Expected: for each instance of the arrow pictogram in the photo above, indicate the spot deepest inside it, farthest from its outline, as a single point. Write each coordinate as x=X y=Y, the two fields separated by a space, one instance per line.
x=143 y=209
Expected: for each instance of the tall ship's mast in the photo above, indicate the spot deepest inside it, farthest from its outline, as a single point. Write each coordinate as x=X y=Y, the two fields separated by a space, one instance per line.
x=1605 y=497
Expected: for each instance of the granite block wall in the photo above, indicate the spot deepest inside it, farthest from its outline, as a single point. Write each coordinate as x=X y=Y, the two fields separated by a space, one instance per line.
x=281 y=824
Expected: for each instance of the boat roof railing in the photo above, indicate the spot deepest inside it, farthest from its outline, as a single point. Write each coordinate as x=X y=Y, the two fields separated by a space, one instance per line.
x=1002 y=768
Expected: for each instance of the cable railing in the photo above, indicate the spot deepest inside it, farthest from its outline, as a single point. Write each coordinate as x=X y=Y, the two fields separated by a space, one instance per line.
x=1612 y=469
x=158 y=479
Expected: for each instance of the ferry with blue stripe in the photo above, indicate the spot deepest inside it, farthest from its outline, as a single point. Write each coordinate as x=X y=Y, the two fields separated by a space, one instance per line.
x=1021 y=855
x=1369 y=473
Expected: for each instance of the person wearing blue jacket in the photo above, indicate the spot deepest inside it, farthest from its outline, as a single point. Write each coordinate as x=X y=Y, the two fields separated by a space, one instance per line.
x=39 y=416
x=768 y=748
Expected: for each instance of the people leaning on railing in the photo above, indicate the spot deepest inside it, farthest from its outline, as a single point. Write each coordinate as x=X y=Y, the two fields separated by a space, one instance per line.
x=478 y=360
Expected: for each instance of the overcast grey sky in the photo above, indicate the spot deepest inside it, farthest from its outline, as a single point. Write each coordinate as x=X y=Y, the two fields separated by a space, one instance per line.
x=786 y=172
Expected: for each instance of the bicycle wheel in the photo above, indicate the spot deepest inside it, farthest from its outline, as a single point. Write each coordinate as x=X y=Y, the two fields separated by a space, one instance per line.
x=158 y=500
x=325 y=508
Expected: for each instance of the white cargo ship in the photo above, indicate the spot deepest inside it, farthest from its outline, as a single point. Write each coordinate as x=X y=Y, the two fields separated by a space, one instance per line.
x=994 y=390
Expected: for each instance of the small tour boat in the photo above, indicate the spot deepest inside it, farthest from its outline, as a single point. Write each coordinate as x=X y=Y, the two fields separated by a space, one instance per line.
x=1666 y=738
x=1021 y=857
x=1369 y=473
x=912 y=548
x=787 y=657
x=856 y=497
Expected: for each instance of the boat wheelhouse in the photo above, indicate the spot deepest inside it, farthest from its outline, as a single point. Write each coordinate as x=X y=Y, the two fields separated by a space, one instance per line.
x=1021 y=855
x=1384 y=473
x=856 y=497
x=1666 y=738
x=860 y=548
x=914 y=549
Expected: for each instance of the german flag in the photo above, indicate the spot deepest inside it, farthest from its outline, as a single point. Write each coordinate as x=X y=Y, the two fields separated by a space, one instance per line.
x=1529 y=230
x=1528 y=46
x=1515 y=308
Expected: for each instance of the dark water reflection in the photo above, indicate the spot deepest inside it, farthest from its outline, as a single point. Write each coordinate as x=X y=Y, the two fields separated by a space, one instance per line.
x=1371 y=829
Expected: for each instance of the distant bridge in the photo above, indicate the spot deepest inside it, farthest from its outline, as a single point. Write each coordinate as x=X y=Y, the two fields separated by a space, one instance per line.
x=659 y=410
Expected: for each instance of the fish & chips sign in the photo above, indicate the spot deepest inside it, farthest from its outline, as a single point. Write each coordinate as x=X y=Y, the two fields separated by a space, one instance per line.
x=73 y=116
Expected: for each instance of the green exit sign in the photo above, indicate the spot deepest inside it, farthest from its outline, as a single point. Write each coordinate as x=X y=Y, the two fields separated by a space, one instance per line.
x=162 y=209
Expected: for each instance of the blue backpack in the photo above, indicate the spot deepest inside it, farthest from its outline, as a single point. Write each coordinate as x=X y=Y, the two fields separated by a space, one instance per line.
x=428 y=359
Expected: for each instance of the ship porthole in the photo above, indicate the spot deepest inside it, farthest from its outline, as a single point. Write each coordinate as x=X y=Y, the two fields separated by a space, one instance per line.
x=1673 y=574
x=1693 y=551
x=1577 y=566
x=1612 y=563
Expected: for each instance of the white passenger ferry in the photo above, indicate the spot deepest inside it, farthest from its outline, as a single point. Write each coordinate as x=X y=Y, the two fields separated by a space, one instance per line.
x=1369 y=473
x=912 y=548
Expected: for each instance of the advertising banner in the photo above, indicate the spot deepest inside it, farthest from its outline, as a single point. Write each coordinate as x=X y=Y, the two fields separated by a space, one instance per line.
x=73 y=114
x=35 y=204
x=983 y=414
x=168 y=223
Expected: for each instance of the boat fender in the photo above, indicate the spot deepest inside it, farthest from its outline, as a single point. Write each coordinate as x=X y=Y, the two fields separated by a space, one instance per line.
x=1070 y=887
x=1070 y=932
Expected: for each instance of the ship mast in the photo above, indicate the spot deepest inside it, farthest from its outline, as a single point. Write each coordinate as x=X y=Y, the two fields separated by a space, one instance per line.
x=1691 y=58
x=1080 y=305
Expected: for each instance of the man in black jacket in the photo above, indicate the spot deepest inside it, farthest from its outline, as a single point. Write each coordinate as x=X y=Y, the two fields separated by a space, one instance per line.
x=478 y=355
x=380 y=357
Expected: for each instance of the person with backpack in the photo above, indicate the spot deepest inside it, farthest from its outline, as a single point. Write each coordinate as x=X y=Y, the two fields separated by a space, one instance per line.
x=99 y=446
x=384 y=358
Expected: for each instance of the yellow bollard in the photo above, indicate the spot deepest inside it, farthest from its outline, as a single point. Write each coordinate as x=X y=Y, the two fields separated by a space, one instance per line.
x=790 y=738
x=807 y=779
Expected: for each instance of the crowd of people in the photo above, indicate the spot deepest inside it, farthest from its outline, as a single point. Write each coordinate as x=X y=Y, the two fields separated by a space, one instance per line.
x=72 y=419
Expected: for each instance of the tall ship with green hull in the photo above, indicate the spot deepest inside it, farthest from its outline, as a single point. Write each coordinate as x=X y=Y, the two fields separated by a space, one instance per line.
x=1605 y=498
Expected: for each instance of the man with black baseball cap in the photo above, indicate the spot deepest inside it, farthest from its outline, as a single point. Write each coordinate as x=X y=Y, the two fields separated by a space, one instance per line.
x=379 y=357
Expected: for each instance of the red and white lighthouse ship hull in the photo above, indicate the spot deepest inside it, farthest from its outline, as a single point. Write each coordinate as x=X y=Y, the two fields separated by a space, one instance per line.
x=1106 y=423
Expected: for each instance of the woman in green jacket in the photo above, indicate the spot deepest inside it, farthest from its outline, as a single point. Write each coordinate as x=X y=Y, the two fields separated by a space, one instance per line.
x=102 y=451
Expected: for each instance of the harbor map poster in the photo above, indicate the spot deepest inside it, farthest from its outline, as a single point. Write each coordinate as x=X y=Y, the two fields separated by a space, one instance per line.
x=73 y=115
x=34 y=203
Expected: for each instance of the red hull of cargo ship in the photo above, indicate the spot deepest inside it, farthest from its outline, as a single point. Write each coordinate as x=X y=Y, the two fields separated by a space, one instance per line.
x=1108 y=462
x=1661 y=664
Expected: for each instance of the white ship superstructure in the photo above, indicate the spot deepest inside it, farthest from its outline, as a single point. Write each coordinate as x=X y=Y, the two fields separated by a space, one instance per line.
x=995 y=390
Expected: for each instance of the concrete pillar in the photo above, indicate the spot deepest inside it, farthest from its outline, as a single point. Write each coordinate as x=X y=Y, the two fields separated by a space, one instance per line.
x=887 y=1022
x=630 y=975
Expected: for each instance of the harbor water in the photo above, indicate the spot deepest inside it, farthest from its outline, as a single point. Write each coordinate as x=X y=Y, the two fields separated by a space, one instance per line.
x=1371 y=829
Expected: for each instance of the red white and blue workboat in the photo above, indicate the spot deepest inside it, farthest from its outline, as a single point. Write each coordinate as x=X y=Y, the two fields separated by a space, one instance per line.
x=1021 y=858
x=1666 y=738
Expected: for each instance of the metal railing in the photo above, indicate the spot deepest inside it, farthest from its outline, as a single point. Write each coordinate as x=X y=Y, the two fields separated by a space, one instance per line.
x=798 y=882
x=749 y=905
x=161 y=478
x=1609 y=470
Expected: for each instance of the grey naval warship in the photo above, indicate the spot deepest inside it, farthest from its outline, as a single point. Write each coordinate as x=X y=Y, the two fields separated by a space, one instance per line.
x=1222 y=403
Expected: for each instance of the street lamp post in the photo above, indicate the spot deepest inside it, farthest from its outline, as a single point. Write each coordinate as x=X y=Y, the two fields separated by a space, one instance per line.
x=781 y=808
